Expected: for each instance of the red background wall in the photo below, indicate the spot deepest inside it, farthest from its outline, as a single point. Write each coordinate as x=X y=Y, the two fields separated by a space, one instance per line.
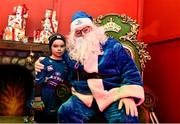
x=161 y=20
x=160 y=28
x=162 y=76
x=65 y=9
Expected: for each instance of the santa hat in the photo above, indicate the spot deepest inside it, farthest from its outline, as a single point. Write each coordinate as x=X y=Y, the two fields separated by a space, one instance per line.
x=80 y=19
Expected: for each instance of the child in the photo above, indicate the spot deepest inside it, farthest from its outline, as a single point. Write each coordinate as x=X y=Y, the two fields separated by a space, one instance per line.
x=52 y=77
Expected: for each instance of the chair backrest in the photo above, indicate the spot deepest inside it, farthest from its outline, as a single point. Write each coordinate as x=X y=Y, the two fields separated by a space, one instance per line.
x=125 y=29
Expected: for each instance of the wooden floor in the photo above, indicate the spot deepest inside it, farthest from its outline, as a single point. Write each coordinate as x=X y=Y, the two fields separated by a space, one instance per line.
x=12 y=119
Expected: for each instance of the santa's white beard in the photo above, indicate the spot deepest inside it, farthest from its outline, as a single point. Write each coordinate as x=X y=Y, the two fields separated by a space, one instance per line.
x=80 y=48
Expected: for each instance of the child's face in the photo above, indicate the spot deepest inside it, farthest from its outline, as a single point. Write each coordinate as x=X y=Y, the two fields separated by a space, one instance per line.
x=57 y=48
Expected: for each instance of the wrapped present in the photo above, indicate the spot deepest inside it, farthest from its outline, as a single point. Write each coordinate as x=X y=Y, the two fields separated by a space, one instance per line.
x=11 y=20
x=50 y=21
x=15 y=34
x=20 y=35
x=51 y=16
x=44 y=35
x=8 y=33
x=11 y=34
x=16 y=25
x=54 y=22
x=21 y=11
x=15 y=22
x=48 y=13
x=49 y=24
x=19 y=17
x=55 y=25
x=36 y=36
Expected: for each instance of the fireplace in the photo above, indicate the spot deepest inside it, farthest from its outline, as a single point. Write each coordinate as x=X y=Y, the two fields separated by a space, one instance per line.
x=16 y=77
x=16 y=83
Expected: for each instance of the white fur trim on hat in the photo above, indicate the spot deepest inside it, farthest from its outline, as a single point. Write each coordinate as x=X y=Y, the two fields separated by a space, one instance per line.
x=80 y=22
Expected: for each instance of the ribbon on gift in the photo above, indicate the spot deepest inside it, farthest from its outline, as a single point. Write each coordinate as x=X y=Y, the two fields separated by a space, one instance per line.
x=13 y=34
x=37 y=33
x=51 y=23
x=24 y=10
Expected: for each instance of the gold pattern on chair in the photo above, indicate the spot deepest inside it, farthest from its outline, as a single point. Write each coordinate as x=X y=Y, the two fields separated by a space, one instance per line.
x=125 y=29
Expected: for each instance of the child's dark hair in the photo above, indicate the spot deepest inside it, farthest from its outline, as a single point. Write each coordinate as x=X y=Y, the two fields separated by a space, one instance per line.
x=54 y=37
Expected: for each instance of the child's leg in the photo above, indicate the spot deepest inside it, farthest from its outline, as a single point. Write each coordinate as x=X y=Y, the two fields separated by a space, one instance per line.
x=39 y=116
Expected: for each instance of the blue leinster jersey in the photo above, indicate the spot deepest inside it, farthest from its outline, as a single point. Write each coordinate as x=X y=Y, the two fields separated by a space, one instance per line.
x=53 y=82
x=54 y=72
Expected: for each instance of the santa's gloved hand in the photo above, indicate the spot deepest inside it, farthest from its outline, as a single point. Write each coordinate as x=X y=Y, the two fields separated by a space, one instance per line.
x=38 y=104
x=130 y=106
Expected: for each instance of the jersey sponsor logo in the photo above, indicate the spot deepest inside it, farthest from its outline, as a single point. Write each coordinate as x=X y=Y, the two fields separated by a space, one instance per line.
x=50 y=68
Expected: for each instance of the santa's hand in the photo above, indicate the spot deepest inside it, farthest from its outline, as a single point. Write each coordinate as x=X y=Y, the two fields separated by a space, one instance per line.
x=38 y=65
x=130 y=106
x=38 y=104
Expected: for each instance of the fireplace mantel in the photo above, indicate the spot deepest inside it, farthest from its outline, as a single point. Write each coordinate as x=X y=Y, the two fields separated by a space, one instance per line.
x=16 y=52
x=17 y=45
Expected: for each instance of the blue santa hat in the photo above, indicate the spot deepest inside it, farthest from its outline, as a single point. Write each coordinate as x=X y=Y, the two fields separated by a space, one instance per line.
x=80 y=19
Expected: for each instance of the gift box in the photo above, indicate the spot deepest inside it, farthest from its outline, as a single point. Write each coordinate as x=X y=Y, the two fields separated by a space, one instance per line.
x=15 y=34
x=21 y=11
x=48 y=13
x=36 y=36
x=20 y=35
x=49 y=24
x=50 y=21
x=16 y=25
x=21 y=14
x=15 y=22
x=44 y=35
x=8 y=34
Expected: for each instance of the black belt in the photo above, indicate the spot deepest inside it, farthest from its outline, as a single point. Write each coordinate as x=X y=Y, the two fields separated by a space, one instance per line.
x=85 y=76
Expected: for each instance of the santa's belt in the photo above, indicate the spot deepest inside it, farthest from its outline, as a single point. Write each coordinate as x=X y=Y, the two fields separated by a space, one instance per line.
x=85 y=76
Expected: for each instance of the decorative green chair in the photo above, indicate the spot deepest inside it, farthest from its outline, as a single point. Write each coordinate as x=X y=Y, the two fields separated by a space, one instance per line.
x=125 y=29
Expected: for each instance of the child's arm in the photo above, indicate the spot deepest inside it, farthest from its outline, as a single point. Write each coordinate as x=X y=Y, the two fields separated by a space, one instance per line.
x=39 y=81
x=40 y=77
